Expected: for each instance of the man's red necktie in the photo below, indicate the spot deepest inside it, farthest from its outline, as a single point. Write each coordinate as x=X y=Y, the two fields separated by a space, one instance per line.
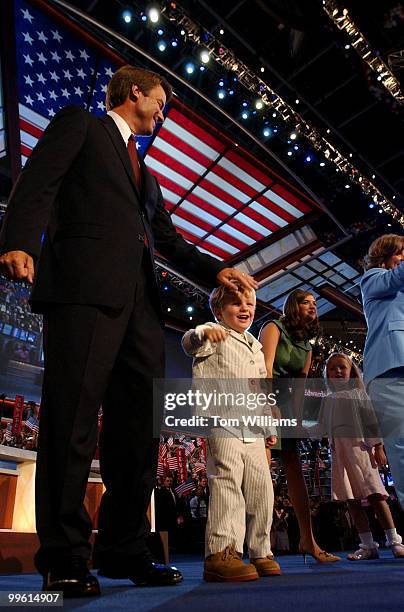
x=134 y=158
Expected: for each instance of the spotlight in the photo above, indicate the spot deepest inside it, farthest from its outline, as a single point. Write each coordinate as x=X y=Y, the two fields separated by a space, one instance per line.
x=221 y=94
x=182 y=32
x=245 y=104
x=290 y=153
x=266 y=132
x=189 y=68
x=168 y=309
x=174 y=42
x=373 y=176
x=297 y=101
x=190 y=309
x=259 y=104
x=380 y=210
x=275 y=130
x=389 y=224
x=308 y=158
x=221 y=83
x=328 y=131
x=205 y=57
x=244 y=115
x=273 y=114
x=293 y=136
x=262 y=69
x=322 y=164
x=154 y=14
x=347 y=186
x=347 y=46
x=231 y=92
x=127 y=15
x=296 y=147
x=201 y=68
x=162 y=46
x=221 y=31
x=371 y=205
x=160 y=31
x=394 y=197
x=143 y=17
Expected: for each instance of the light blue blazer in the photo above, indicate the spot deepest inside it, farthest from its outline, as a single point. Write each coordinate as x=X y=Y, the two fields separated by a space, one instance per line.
x=383 y=305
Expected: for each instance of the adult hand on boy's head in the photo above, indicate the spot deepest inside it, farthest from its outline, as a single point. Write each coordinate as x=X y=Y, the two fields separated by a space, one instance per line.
x=215 y=334
x=233 y=278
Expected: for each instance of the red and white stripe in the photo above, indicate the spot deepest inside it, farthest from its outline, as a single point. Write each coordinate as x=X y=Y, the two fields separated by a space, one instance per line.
x=233 y=206
x=32 y=126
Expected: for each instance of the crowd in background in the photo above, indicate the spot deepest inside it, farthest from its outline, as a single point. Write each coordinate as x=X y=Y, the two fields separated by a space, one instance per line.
x=14 y=307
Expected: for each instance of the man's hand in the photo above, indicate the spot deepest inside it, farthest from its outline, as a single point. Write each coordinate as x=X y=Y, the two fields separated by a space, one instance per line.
x=17 y=265
x=271 y=440
x=215 y=334
x=231 y=277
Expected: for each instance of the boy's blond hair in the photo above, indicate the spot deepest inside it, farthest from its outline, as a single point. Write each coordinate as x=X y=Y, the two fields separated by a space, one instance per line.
x=220 y=295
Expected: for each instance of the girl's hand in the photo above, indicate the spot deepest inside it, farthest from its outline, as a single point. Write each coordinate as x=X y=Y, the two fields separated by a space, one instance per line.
x=271 y=440
x=215 y=334
x=380 y=455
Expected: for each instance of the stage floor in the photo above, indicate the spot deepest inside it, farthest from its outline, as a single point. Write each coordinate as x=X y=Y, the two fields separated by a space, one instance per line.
x=368 y=585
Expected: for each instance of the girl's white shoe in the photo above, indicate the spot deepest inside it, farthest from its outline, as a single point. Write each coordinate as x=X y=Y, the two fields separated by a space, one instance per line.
x=397 y=550
x=365 y=553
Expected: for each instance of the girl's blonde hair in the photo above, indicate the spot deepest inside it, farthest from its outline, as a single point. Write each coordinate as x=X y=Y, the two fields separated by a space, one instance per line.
x=355 y=374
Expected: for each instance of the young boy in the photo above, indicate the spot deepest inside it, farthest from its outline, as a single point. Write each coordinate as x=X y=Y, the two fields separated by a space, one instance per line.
x=241 y=491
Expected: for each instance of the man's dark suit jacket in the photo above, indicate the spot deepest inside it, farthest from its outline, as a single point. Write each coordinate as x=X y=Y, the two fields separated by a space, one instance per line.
x=78 y=187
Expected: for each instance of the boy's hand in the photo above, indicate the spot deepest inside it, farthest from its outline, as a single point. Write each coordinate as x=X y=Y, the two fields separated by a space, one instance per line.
x=215 y=334
x=380 y=455
x=271 y=440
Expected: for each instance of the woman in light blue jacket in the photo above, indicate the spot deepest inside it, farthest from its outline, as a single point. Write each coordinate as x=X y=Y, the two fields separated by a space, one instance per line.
x=382 y=288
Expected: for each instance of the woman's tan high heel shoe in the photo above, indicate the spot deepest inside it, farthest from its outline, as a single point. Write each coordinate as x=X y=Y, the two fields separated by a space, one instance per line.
x=321 y=557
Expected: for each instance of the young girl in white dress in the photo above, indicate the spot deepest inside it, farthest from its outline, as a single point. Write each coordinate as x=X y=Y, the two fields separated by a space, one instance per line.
x=348 y=415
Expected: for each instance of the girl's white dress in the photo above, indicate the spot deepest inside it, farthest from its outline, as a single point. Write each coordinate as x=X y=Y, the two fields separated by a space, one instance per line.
x=348 y=417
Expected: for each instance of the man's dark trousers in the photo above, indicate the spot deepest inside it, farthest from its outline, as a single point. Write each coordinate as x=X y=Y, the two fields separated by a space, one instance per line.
x=93 y=356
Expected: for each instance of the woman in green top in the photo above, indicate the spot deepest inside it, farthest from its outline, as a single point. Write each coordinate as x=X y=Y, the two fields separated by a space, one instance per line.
x=287 y=352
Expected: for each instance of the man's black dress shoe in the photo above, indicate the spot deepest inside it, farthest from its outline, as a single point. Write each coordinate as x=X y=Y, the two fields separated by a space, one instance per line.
x=72 y=578
x=143 y=571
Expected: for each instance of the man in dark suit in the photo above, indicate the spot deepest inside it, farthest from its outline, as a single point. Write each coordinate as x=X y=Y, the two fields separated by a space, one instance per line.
x=86 y=214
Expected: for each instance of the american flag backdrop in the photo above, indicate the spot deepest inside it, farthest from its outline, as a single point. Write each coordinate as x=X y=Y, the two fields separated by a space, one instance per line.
x=55 y=68
x=220 y=198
